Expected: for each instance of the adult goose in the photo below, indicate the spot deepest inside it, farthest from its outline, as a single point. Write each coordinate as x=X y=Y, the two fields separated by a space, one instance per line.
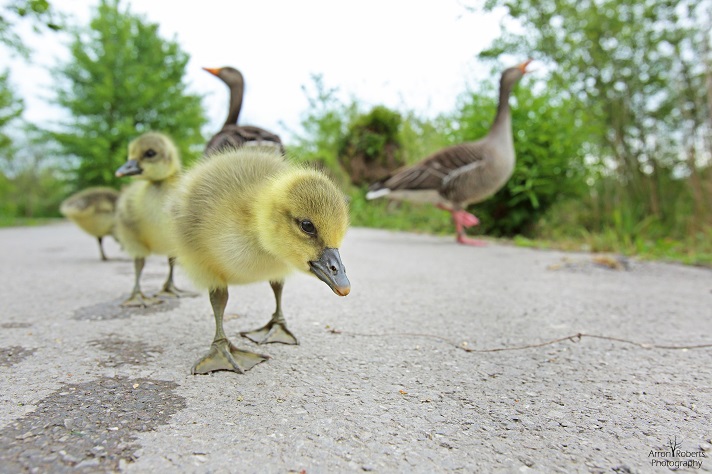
x=462 y=174
x=233 y=135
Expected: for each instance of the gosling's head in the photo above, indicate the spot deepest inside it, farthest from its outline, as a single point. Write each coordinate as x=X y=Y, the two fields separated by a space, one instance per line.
x=303 y=219
x=152 y=156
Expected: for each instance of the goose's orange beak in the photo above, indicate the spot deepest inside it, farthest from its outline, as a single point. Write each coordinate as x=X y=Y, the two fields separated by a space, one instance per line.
x=523 y=67
x=213 y=70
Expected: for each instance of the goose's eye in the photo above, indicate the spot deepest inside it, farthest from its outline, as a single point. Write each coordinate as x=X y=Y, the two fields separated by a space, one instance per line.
x=149 y=153
x=307 y=227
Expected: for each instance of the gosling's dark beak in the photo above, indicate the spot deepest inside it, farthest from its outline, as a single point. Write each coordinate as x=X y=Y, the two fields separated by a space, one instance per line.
x=130 y=168
x=331 y=271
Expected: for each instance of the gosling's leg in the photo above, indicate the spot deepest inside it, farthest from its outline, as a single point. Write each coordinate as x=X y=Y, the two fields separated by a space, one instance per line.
x=137 y=298
x=101 y=249
x=223 y=354
x=169 y=289
x=276 y=329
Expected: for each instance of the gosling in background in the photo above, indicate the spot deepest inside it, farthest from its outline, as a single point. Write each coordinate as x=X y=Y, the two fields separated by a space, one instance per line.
x=142 y=221
x=247 y=215
x=93 y=210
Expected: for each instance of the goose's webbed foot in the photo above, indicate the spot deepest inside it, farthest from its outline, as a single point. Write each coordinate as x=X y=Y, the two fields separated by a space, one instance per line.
x=464 y=240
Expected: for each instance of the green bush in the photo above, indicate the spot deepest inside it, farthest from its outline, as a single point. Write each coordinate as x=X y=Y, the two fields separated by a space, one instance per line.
x=324 y=124
x=371 y=147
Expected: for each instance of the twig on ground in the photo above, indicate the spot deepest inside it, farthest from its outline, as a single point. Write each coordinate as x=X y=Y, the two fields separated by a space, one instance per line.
x=573 y=338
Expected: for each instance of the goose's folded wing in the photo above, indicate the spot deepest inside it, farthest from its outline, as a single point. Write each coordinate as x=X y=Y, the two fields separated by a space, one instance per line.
x=460 y=183
x=234 y=136
x=434 y=170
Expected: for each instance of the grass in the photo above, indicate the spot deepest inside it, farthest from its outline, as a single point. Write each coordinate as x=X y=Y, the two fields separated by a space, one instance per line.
x=383 y=214
x=11 y=221
x=690 y=252
x=695 y=249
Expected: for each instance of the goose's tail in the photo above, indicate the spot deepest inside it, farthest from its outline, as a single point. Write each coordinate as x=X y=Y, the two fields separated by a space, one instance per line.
x=377 y=193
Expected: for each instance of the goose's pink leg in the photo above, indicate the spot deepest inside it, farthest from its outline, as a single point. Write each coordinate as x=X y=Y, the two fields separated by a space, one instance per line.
x=463 y=220
x=464 y=239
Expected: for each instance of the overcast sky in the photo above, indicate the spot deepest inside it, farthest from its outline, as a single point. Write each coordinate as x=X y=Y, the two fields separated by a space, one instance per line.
x=405 y=54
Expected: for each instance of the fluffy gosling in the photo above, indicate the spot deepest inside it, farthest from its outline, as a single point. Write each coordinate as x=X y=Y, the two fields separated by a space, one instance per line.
x=93 y=210
x=142 y=221
x=247 y=215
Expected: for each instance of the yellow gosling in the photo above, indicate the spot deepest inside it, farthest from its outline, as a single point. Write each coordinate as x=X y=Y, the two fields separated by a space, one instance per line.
x=93 y=210
x=247 y=215
x=142 y=221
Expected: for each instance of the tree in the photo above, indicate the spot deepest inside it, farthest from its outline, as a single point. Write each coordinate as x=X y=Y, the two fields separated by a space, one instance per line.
x=123 y=80
x=324 y=126
x=10 y=108
x=422 y=136
x=635 y=69
x=31 y=182
x=39 y=12
x=40 y=15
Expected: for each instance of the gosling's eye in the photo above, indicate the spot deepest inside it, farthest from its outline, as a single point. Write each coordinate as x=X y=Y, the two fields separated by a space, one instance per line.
x=149 y=153
x=307 y=227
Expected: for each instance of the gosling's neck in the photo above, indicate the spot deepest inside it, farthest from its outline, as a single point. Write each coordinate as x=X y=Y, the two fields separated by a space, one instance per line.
x=167 y=181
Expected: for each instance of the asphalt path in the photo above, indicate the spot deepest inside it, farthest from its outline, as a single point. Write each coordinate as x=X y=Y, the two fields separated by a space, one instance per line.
x=403 y=375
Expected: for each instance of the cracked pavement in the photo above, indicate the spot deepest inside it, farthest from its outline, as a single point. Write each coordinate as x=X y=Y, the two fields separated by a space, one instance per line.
x=380 y=381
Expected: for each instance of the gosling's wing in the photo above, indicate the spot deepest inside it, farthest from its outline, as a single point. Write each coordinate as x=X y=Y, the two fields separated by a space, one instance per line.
x=95 y=199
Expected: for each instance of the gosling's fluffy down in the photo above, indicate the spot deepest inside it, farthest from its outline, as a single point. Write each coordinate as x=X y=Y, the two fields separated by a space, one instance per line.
x=142 y=222
x=236 y=218
x=247 y=215
x=92 y=209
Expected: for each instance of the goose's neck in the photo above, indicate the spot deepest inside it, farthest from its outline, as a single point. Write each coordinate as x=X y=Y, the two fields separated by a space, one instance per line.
x=502 y=125
x=236 y=92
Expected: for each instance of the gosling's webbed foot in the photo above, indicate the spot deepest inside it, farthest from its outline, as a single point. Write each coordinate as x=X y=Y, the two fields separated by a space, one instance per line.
x=139 y=300
x=176 y=293
x=224 y=355
x=273 y=331
x=171 y=291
